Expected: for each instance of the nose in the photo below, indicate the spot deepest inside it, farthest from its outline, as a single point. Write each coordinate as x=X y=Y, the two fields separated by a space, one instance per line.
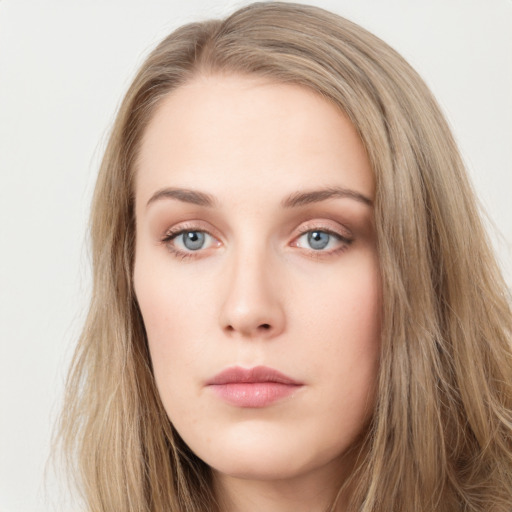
x=252 y=306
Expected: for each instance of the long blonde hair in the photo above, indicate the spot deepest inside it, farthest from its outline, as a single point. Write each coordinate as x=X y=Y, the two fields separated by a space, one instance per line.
x=441 y=435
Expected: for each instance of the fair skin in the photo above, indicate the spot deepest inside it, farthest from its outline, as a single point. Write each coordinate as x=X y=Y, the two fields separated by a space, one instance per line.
x=254 y=275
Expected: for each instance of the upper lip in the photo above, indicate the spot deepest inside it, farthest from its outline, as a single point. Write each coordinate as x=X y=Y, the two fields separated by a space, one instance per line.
x=237 y=374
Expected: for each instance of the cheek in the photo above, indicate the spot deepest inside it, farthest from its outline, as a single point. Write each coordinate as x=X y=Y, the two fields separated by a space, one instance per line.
x=345 y=311
x=169 y=318
x=342 y=338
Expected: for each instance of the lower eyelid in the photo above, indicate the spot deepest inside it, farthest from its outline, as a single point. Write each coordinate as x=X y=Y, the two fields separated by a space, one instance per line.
x=343 y=243
x=172 y=234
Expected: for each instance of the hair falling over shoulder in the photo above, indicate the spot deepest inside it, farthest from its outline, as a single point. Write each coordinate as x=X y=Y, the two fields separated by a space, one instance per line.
x=441 y=434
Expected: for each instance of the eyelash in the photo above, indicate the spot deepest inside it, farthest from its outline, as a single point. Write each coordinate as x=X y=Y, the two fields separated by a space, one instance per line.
x=317 y=254
x=172 y=234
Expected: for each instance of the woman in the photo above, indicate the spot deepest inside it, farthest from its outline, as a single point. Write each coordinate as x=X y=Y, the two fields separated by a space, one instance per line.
x=295 y=306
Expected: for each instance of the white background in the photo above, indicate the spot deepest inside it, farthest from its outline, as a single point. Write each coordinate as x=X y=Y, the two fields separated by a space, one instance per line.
x=64 y=66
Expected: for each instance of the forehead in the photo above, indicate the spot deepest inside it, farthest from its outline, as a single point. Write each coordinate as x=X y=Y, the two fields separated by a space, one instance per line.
x=234 y=135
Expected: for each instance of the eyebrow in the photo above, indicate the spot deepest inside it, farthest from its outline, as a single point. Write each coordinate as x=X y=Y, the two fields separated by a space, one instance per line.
x=184 y=195
x=315 y=196
x=294 y=200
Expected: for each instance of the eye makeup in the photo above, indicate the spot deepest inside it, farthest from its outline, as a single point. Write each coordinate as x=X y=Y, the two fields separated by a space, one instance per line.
x=192 y=240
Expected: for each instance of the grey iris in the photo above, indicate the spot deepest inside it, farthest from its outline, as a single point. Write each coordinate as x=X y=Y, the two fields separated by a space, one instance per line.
x=318 y=239
x=193 y=240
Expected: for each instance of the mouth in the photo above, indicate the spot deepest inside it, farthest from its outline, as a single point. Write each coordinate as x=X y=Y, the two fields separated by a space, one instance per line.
x=252 y=387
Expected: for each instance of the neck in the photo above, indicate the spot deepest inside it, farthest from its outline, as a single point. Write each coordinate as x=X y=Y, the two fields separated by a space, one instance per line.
x=320 y=490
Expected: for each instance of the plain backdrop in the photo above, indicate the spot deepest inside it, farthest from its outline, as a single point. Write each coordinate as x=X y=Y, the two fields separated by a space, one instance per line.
x=64 y=66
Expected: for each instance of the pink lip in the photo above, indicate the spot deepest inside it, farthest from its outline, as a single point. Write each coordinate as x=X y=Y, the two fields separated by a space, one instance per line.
x=252 y=387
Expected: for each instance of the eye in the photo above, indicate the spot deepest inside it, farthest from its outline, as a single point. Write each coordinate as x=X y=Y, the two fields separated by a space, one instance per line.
x=321 y=240
x=188 y=240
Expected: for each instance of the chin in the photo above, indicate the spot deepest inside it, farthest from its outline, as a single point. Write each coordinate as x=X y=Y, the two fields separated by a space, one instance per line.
x=264 y=454
x=259 y=466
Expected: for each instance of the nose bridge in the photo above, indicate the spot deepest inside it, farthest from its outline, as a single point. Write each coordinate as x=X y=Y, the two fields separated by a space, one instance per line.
x=252 y=304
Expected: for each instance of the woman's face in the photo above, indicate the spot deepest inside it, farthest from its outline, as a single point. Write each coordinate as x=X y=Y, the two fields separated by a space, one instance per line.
x=257 y=275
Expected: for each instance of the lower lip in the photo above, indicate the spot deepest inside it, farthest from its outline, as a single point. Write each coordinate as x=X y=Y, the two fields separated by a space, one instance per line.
x=253 y=394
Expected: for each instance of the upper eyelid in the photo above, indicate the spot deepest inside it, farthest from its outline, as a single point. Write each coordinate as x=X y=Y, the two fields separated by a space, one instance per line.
x=324 y=229
x=323 y=224
x=187 y=226
x=342 y=231
x=304 y=227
